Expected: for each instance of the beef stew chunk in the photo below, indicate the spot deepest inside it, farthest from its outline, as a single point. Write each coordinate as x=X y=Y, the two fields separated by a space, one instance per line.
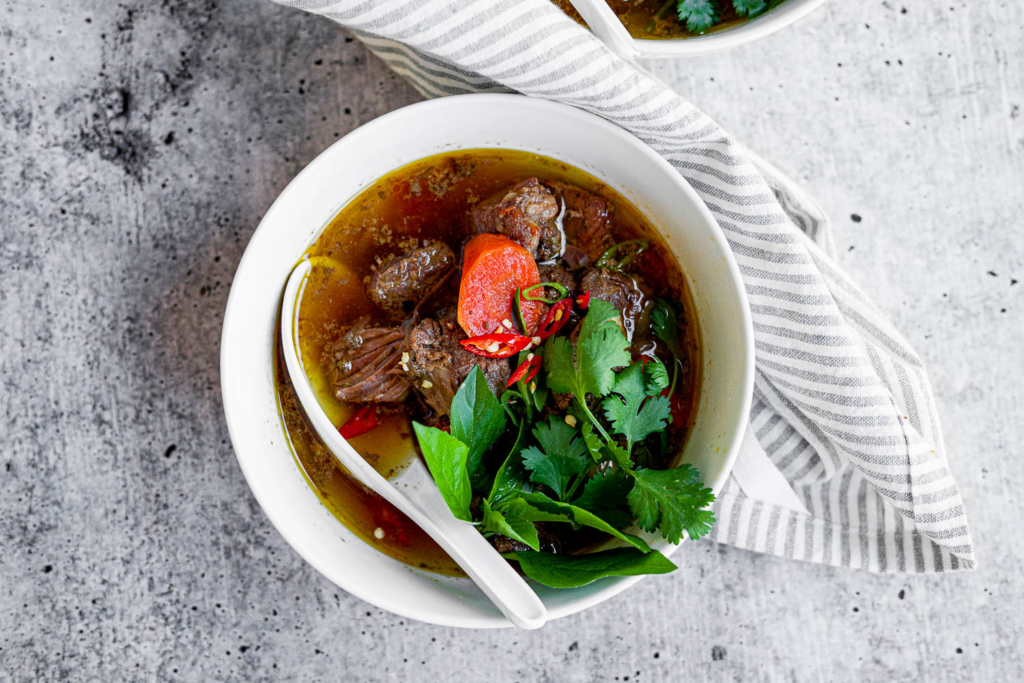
x=409 y=278
x=558 y=274
x=363 y=364
x=438 y=364
x=527 y=214
x=586 y=222
x=626 y=293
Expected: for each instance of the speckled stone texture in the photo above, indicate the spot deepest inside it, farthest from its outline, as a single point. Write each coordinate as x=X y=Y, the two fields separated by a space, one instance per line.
x=141 y=142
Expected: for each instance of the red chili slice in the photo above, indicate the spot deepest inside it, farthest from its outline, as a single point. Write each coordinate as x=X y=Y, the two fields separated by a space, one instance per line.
x=556 y=317
x=530 y=366
x=583 y=300
x=496 y=345
x=364 y=420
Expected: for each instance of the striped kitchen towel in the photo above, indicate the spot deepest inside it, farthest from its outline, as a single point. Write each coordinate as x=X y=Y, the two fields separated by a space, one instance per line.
x=844 y=461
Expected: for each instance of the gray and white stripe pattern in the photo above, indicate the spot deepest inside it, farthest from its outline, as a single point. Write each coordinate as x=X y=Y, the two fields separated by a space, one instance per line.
x=842 y=405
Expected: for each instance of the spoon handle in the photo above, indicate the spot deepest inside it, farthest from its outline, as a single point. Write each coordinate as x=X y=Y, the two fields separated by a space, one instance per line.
x=423 y=503
x=606 y=26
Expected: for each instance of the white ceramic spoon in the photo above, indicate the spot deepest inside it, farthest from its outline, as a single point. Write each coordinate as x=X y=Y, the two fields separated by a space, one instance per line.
x=606 y=26
x=413 y=491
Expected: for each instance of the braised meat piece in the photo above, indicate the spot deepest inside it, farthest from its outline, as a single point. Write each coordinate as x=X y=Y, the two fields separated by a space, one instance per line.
x=629 y=296
x=363 y=364
x=549 y=543
x=525 y=214
x=409 y=278
x=558 y=274
x=586 y=221
x=438 y=364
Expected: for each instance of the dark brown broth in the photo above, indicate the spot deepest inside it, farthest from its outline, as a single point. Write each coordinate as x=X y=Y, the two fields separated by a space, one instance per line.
x=428 y=199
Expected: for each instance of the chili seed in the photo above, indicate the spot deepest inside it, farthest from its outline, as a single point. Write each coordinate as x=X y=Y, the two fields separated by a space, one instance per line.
x=493 y=348
x=570 y=420
x=427 y=384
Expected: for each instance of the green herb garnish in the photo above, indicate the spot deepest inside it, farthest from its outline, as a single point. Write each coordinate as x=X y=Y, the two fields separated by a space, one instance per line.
x=573 y=468
x=701 y=15
x=571 y=571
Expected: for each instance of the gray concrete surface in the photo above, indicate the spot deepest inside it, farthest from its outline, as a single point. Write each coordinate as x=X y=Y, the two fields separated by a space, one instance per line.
x=141 y=142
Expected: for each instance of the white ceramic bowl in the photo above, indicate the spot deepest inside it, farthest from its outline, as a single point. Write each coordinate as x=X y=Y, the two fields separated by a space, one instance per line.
x=306 y=207
x=769 y=22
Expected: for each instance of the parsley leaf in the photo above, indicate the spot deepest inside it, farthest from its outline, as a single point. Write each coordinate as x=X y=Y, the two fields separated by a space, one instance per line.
x=750 y=8
x=478 y=420
x=510 y=522
x=672 y=501
x=578 y=515
x=605 y=496
x=699 y=15
x=571 y=571
x=635 y=415
x=446 y=459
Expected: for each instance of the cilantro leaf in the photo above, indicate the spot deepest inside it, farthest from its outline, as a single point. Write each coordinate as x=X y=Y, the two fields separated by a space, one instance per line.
x=559 y=439
x=749 y=8
x=578 y=515
x=601 y=347
x=478 y=420
x=672 y=501
x=510 y=522
x=553 y=471
x=560 y=366
x=593 y=442
x=656 y=374
x=446 y=459
x=571 y=571
x=605 y=496
x=601 y=450
x=665 y=323
x=635 y=415
x=699 y=15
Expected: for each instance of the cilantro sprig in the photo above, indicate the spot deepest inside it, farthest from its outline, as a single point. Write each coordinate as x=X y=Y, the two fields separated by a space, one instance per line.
x=700 y=15
x=510 y=465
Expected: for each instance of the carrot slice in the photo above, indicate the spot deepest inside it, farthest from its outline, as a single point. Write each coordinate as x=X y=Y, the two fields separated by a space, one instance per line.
x=493 y=268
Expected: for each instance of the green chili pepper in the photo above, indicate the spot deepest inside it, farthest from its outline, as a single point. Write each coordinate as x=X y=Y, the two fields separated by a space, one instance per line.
x=562 y=293
x=608 y=257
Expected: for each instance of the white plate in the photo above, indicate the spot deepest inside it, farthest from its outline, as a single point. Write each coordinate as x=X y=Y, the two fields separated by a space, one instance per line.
x=316 y=195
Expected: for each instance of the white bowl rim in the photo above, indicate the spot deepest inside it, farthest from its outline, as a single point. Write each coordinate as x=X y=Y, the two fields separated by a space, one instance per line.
x=785 y=14
x=236 y=421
